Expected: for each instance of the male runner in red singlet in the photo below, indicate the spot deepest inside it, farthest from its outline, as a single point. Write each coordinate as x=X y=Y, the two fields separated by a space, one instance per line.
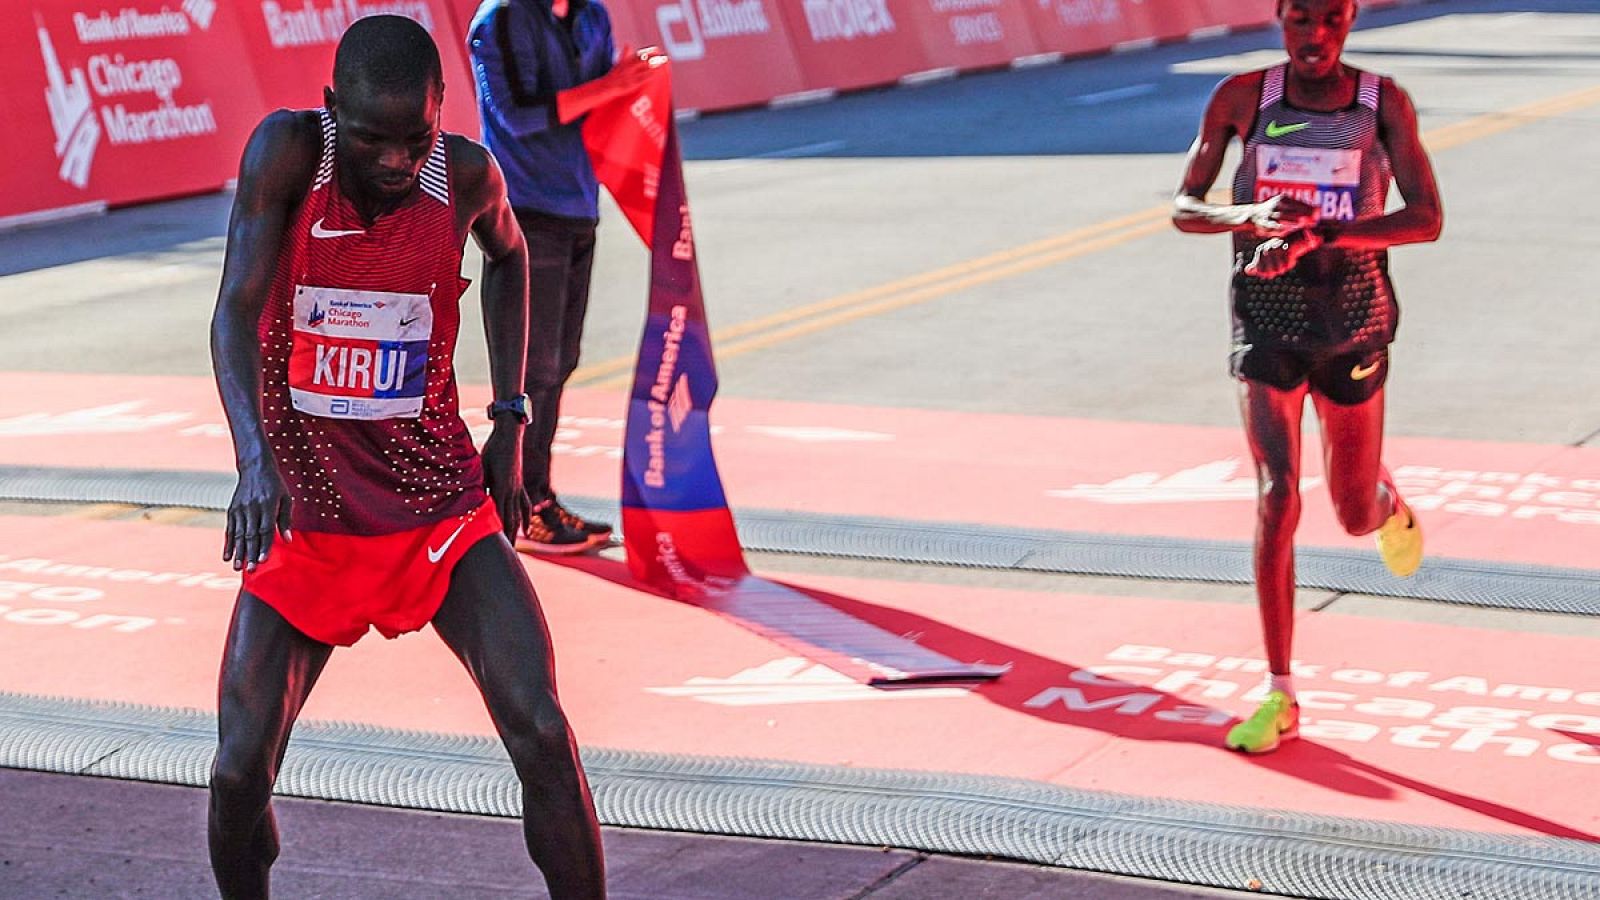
x=1313 y=307
x=361 y=499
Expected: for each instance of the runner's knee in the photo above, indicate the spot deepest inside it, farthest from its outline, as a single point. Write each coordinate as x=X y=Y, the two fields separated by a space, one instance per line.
x=1279 y=501
x=544 y=373
x=535 y=733
x=241 y=775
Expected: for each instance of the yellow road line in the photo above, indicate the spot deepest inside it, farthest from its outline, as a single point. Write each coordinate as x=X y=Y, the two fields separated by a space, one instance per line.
x=592 y=375
x=787 y=324
x=102 y=511
x=1458 y=133
x=172 y=515
x=920 y=295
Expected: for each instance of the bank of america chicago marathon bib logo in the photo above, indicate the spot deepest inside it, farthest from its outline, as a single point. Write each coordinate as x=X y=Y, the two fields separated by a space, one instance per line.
x=122 y=83
x=1325 y=179
x=359 y=354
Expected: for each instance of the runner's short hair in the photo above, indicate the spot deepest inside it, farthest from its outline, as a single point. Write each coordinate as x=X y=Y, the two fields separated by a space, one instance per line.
x=1355 y=6
x=388 y=54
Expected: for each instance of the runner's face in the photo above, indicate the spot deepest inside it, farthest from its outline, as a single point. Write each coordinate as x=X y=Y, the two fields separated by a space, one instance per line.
x=385 y=138
x=1314 y=32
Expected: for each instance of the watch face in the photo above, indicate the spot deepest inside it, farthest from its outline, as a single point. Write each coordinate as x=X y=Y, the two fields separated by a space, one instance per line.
x=518 y=405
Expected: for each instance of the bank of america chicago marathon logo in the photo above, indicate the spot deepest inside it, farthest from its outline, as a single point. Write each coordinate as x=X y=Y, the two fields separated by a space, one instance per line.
x=119 y=79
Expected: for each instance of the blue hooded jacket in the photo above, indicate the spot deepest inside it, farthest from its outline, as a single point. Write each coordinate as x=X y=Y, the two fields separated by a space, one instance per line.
x=522 y=56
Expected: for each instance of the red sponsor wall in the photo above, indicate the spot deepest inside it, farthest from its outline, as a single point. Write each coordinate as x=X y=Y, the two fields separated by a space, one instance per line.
x=119 y=102
x=973 y=34
x=1238 y=13
x=725 y=53
x=847 y=44
x=1089 y=26
x=292 y=42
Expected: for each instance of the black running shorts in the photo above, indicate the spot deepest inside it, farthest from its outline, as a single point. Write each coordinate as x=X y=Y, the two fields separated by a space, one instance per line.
x=1344 y=378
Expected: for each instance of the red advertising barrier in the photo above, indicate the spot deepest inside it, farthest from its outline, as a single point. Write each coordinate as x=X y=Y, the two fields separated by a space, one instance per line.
x=1089 y=26
x=1176 y=19
x=725 y=53
x=974 y=34
x=116 y=103
x=1238 y=13
x=855 y=43
x=291 y=45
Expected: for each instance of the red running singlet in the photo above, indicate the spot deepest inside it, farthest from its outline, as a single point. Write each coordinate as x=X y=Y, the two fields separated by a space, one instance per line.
x=357 y=344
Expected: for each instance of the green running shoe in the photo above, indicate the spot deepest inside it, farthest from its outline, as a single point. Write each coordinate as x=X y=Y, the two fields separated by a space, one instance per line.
x=1277 y=720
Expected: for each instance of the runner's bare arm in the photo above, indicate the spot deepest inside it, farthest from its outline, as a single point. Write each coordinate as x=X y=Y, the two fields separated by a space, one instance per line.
x=278 y=165
x=1229 y=114
x=1422 y=217
x=504 y=288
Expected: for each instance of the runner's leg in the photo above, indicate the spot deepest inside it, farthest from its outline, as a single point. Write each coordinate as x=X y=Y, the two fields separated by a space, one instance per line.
x=1352 y=450
x=1272 y=419
x=268 y=669
x=491 y=620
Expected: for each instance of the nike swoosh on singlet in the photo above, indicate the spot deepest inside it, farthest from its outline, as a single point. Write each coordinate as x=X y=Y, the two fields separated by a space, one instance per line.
x=436 y=555
x=405 y=322
x=1274 y=130
x=1360 y=373
x=317 y=231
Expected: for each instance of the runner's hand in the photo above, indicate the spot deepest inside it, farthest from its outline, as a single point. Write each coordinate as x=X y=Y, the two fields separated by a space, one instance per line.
x=258 y=511
x=1281 y=215
x=502 y=475
x=1278 y=255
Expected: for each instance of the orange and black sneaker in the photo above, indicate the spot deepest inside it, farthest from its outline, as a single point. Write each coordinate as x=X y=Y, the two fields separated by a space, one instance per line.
x=596 y=532
x=547 y=533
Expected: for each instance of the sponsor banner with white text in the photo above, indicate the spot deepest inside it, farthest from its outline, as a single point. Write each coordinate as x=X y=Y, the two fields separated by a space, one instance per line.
x=725 y=53
x=291 y=45
x=844 y=44
x=118 y=101
x=973 y=34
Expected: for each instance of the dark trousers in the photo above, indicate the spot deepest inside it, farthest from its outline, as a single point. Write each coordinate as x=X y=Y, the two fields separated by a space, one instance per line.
x=560 y=260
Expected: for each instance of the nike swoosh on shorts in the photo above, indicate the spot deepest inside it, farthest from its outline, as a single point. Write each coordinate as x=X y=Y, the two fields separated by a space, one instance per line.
x=436 y=555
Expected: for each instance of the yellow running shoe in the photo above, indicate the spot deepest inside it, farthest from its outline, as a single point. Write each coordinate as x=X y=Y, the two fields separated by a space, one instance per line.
x=1277 y=720
x=1400 y=540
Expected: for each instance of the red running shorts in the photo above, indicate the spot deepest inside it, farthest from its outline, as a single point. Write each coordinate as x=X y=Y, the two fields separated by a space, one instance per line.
x=333 y=587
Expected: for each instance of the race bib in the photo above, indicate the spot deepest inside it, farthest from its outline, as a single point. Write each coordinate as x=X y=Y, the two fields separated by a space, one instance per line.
x=1326 y=179
x=359 y=354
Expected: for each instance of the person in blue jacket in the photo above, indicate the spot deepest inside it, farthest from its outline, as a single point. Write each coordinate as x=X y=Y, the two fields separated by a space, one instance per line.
x=540 y=66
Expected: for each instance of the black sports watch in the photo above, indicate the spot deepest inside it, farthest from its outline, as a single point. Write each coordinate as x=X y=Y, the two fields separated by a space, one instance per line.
x=517 y=406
